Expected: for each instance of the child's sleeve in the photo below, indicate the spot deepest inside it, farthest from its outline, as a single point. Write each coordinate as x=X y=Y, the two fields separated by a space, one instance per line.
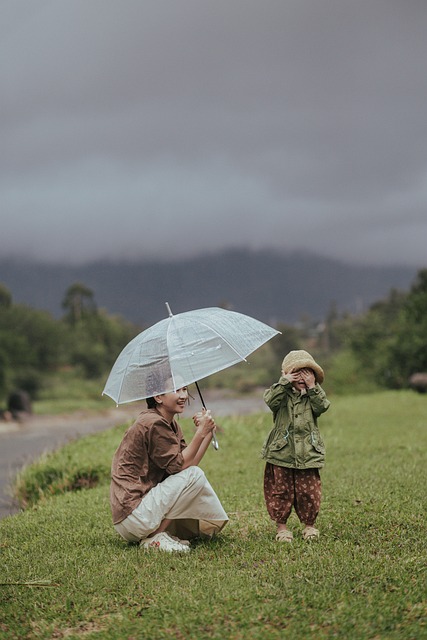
x=318 y=400
x=274 y=395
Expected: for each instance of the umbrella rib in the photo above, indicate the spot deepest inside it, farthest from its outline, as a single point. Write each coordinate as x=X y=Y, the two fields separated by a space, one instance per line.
x=222 y=338
x=171 y=317
x=124 y=376
x=204 y=324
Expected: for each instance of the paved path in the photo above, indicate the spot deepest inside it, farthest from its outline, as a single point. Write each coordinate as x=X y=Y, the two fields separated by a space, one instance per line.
x=21 y=443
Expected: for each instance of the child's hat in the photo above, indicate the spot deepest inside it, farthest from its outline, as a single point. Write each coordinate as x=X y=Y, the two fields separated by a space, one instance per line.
x=300 y=359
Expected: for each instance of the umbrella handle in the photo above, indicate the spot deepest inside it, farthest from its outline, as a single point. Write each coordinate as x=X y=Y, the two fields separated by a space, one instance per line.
x=214 y=440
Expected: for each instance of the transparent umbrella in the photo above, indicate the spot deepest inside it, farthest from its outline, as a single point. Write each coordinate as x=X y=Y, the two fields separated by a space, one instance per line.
x=183 y=349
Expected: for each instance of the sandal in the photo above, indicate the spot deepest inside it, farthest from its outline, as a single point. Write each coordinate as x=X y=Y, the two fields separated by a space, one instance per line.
x=310 y=533
x=284 y=536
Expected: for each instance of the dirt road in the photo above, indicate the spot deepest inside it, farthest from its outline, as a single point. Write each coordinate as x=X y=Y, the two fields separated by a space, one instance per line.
x=23 y=442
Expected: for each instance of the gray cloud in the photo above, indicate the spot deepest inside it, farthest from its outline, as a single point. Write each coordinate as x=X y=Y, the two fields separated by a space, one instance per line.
x=163 y=128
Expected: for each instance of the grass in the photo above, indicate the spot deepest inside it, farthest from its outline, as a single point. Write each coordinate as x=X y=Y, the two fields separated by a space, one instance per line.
x=68 y=391
x=66 y=574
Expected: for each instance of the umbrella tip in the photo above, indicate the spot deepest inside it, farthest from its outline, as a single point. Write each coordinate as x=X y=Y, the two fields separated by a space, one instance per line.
x=169 y=309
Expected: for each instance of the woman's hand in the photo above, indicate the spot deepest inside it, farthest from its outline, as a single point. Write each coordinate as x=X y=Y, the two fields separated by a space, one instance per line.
x=204 y=422
x=205 y=427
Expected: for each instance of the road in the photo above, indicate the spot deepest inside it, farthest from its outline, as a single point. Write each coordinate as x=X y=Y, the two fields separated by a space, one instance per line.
x=23 y=442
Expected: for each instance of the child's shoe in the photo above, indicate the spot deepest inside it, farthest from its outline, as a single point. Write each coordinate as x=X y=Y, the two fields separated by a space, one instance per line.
x=310 y=533
x=284 y=535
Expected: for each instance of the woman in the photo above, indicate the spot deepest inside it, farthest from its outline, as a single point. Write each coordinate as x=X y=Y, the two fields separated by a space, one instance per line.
x=158 y=491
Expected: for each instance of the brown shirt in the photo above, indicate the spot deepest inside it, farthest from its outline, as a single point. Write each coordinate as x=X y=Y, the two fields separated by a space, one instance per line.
x=151 y=450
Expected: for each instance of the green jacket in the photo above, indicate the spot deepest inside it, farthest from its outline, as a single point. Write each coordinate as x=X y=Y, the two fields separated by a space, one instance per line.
x=295 y=439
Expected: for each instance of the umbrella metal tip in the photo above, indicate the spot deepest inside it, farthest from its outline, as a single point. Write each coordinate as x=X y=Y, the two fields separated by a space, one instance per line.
x=169 y=309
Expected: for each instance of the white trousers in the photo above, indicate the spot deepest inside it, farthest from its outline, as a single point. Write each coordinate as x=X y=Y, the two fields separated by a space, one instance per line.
x=186 y=498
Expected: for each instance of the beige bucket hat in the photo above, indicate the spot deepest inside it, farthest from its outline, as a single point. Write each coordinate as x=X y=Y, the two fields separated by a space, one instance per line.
x=300 y=360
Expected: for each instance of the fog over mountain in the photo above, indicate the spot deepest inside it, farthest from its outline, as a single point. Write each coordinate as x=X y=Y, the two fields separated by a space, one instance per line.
x=271 y=286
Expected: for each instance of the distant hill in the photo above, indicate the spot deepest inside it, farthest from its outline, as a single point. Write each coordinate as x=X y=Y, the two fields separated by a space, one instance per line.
x=270 y=286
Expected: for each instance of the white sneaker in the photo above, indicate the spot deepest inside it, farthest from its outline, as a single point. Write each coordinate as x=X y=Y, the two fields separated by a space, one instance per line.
x=163 y=542
x=184 y=542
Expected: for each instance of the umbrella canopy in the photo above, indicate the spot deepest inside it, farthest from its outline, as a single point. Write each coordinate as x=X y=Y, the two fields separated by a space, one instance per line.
x=182 y=349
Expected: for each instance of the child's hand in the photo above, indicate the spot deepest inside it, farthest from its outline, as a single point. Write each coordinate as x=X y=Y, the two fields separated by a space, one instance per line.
x=292 y=377
x=308 y=378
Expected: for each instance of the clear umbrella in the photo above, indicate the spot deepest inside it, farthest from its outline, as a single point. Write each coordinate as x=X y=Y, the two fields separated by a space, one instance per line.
x=183 y=349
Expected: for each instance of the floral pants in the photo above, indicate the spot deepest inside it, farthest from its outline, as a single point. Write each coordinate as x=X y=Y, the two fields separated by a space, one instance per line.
x=286 y=488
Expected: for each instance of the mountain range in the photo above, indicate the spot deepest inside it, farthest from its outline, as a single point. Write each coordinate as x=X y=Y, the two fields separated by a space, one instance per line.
x=270 y=286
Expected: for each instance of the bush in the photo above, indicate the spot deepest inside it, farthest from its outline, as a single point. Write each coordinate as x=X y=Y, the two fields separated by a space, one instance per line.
x=78 y=465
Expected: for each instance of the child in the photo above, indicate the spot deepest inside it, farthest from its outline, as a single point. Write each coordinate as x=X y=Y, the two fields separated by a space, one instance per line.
x=294 y=450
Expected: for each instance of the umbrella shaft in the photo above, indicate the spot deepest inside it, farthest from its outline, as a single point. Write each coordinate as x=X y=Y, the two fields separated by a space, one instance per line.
x=200 y=395
x=214 y=440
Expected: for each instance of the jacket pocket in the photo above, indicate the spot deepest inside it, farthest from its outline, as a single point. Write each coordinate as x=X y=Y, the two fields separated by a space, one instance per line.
x=318 y=444
x=280 y=442
x=275 y=442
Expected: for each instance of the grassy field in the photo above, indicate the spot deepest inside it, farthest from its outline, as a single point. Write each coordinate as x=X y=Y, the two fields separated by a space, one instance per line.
x=66 y=574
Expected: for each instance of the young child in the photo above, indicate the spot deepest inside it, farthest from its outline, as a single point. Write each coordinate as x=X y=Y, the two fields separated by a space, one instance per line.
x=294 y=450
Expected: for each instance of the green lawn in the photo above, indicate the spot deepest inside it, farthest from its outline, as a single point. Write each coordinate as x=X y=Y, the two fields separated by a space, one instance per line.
x=66 y=574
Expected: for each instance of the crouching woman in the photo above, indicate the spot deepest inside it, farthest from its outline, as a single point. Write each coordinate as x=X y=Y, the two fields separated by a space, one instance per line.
x=159 y=495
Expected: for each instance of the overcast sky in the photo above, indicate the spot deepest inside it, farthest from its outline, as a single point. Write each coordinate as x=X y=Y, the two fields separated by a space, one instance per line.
x=165 y=128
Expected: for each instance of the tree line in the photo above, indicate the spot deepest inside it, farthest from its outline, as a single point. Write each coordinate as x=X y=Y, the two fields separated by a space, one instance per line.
x=386 y=344
x=389 y=341
x=34 y=345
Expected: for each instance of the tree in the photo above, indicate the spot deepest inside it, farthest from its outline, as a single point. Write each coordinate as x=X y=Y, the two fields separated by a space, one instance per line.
x=96 y=341
x=78 y=302
x=408 y=353
x=390 y=340
x=31 y=343
x=5 y=297
x=372 y=336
